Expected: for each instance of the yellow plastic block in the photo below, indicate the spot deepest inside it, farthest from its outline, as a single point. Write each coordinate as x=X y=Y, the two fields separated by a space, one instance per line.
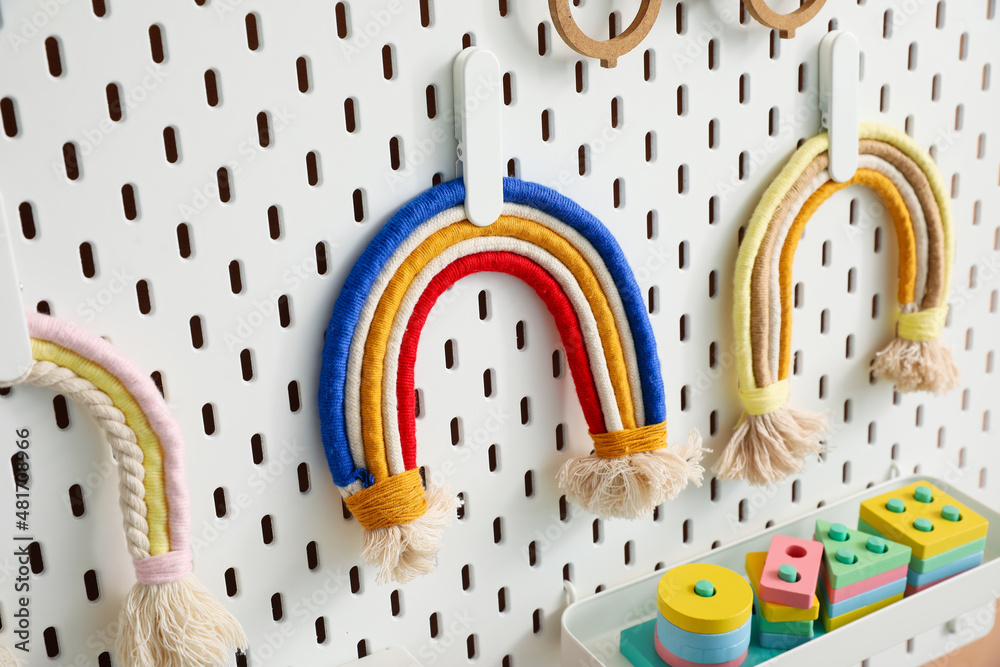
x=727 y=609
x=844 y=619
x=775 y=613
x=920 y=510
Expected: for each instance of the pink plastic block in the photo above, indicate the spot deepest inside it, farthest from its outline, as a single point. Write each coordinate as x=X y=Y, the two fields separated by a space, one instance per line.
x=912 y=590
x=805 y=556
x=672 y=660
x=839 y=594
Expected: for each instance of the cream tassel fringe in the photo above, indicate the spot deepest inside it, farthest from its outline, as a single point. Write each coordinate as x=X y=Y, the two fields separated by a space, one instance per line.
x=630 y=486
x=405 y=551
x=178 y=624
x=7 y=658
x=917 y=366
x=767 y=448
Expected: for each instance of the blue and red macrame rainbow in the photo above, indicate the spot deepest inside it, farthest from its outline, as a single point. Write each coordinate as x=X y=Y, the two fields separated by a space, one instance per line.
x=577 y=269
x=346 y=469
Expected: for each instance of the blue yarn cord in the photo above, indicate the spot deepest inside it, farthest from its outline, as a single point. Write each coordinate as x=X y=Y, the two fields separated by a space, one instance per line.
x=347 y=310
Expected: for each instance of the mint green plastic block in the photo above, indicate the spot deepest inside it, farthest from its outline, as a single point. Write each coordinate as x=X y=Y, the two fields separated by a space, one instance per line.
x=867 y=564
x=923 y=494
x=896 y=506
x=876 y=545
x=950 y=513
x=704 y=589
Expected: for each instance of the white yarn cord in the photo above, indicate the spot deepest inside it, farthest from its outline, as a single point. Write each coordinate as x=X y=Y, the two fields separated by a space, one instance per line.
x=588 y=329
x=123 y=442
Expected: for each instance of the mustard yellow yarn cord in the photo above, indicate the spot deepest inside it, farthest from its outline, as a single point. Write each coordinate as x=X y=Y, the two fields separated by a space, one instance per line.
x=152 y=456
x=392 y=501
x=381 y=326
x=771 y=200
x=630 y=441
x=904 y=235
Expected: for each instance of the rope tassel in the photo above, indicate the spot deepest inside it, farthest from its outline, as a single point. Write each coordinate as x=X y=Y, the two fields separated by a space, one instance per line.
x=632 y=471
x=7 y=658
x=916 y=359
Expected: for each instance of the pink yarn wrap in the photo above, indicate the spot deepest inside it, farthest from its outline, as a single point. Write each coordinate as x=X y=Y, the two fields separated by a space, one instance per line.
x=163 y=569
x=177 y=563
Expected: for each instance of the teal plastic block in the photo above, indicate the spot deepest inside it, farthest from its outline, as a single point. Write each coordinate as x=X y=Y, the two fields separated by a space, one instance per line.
x=921 y=565
x=782 y=642
x=867 y=562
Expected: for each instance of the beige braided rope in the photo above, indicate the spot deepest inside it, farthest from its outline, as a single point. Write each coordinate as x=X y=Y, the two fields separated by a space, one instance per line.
x=122 y=439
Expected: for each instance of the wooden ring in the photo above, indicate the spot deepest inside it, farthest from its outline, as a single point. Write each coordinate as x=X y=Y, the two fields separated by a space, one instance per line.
x=609 y=50
x=785 y=24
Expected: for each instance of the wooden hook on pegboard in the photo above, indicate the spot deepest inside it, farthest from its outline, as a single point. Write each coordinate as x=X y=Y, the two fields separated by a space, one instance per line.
x=608 y=51
x=785 y=24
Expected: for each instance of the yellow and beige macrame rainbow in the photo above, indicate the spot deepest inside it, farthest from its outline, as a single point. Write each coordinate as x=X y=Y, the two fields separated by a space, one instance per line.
x=773 y=439
x=169 y=619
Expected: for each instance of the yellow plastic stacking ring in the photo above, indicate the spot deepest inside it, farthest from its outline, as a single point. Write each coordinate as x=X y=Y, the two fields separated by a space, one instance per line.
x=728 y=609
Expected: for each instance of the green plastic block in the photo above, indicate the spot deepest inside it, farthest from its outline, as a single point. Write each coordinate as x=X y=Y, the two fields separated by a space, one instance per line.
x=788 y=573
x=866 y=563
x=923 y=525
x=921 y=565
x=704 y=589
x=795 y=628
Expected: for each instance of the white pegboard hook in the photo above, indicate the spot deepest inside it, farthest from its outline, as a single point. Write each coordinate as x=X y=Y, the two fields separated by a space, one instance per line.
x=477 y=128
x=838 y=101
x=15 y=344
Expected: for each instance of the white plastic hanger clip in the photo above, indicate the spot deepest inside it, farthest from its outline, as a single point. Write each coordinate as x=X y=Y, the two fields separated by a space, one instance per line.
x=838 y=101
x=477 y=128
x=15 y=344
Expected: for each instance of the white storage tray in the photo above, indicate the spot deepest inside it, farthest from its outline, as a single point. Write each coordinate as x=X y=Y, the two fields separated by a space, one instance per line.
x=963 y=605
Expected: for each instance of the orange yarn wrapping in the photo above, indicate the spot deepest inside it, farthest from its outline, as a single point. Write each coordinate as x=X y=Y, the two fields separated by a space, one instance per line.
x=630 y=441
x=393 y=501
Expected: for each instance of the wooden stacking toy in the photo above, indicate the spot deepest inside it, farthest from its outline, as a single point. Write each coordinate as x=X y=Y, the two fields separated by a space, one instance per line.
x=946 y=537
x=780 y=626
x=703 y=616
x=861 y=573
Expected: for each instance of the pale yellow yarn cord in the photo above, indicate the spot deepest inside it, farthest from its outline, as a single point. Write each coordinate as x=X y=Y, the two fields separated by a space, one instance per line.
x=923 y=325
x=762 y=400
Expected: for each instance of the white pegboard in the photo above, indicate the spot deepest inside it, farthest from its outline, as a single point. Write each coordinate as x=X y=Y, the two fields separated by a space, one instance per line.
x=677 y=145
